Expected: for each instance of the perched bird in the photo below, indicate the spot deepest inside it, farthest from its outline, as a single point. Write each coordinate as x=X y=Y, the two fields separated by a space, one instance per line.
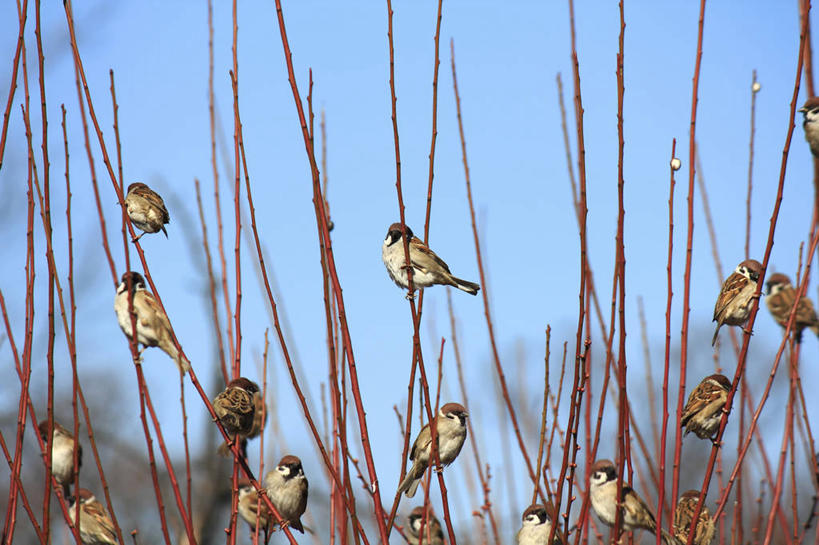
x=250 y=508
x=235 y=406
x=96 y=527
x=734 y=300
x=146 y=209
x=703 y=410
x=779 y=300
x=259 y=421
x=450 y=430
x=635 y=512
x=811 y=124
x=432 y=532
x=537 y=525
x=287 y=488
x=62 y=454
x=427 y=268
x=152 y=325
x=686 y=508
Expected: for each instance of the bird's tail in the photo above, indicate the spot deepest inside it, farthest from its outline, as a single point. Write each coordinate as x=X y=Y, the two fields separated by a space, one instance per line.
x=716 y=333
x=181 y=362
x=669 y=539
x=469 y=287
x=411 y=481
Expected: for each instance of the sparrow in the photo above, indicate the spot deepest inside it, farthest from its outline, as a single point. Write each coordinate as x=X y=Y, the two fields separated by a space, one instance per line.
x=635 y=512
x=250 y=508
x=146 y=209
x=62 y=454
x=235 y=407
x=686 y=507
x=779 y=300
x=450 y=430
x=537 y=525
x=811 y=124
x=287 y=488
x=96 y=527
x=703 y=410
x=432 y=532
x=734 y=300
x=152 y=325
x=427 y=268
x=259 y=421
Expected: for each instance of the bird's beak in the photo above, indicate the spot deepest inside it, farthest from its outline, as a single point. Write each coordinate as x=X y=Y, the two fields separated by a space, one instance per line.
x=803 y=110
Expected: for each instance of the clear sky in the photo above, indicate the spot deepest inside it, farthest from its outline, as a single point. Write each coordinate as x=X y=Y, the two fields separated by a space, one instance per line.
x=508 y=55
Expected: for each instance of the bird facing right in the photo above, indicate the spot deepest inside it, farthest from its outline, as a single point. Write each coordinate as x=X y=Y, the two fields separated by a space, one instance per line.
x=811 y=124
x=450 y=432
x=432 y=534
x=780 y=298
x=287 y=488
x=146 y=209
x=536 y=525
x=427 y=268
x=703 y=411
x=62 y=454
x=734 y=300
x=152 y=325
x=96 y=527
x=684 y=514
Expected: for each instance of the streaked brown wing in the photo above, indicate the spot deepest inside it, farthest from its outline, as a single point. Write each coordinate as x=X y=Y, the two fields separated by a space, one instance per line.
x=152 y=314
x=154 y=200
x=806 y=314
x=100 y=516
x=730 y=289
x=637 y=508
x=700 y=397
x=423 y=258
x=421 y=442
x=780 y=305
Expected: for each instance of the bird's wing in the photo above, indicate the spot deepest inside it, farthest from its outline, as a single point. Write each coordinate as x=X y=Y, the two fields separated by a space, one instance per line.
x=733 y=285
x=156 y=201
x=423 y=258
x=421 y=443
x=151 y=314
x=637 y=508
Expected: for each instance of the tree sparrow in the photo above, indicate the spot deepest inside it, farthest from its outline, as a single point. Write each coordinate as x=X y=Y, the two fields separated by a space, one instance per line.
x=432 y=532
x=259 y=421
x=737 y=293
x=287 y=488
x=250 y=508
x=780 y=298
x=427 y=268
x=152 y=325
x=62 y=454
x=703 y=410
x=686 y=507
x=146 y=209
x=451 y=433
x=537 y=525
x=96 y=527
x=235 y=407
x=635 y=512
x=811 y=124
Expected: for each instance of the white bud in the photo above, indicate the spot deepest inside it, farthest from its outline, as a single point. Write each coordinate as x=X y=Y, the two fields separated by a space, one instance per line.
x=675 y=164
x=756 y=87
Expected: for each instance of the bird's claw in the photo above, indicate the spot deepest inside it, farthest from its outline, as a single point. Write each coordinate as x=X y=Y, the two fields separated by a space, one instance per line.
x=410 y=296
x=748 y=331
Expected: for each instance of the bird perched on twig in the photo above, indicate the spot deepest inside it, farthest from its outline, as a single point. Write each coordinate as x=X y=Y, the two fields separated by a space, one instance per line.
x=703 y=411
x=427 y=268
x=259 y=421
x=96 y=527
x=251 y=509
x=235 y=407
x=635 y=513
x=287 y=488
x=450 y=431
x=780 y=298
x=810 y=123
x=684 y=514
x=536 y=526
x=146 y=209
x=62 y=454
x=432 y=533
x=152 y=325
x=734 y=301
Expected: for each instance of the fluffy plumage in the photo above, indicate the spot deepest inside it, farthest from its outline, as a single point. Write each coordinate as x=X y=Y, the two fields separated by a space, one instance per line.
x=96 y=527
x=427 y=268
x=152 y=325
x=684 y=515
x=250 y=508
x=536 y=525
x=703 y=410
x=734 y=301
x=450 y=433
x=287 y=488
x=62 y=454
x=146 y=209
x=259 y=421
x=780 y=298
x=432 y=534
x=810 y=123
x=235 y=406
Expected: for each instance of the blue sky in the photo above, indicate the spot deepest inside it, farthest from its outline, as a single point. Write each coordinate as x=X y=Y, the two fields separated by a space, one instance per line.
x=507 y=60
